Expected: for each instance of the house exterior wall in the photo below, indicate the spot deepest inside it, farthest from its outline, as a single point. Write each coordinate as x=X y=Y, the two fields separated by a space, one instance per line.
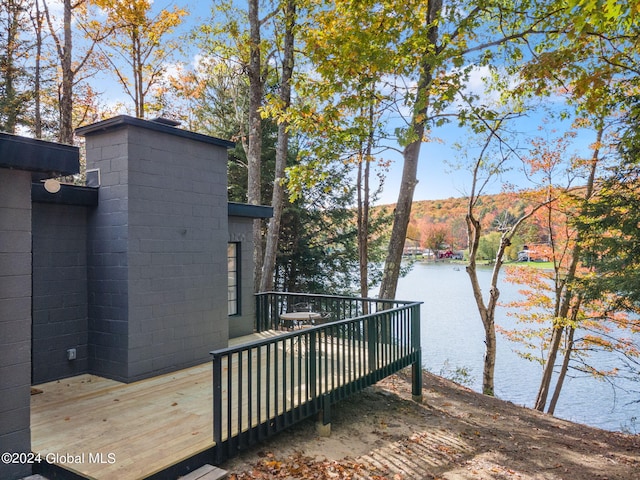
x=240 y=231
x=15 y=317
x=157 y=251
x=177 y=251
x=107 y=258
x=136 y=282
x=59 y=291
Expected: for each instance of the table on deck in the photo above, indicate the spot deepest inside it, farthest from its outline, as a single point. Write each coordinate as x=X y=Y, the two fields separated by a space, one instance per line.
x=299 y=318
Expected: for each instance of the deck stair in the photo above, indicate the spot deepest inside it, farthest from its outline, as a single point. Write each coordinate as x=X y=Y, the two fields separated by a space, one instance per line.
x=206 y=472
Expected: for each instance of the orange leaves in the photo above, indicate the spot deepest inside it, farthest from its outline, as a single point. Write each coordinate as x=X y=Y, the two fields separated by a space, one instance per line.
x=547 y=157
x=596 y=326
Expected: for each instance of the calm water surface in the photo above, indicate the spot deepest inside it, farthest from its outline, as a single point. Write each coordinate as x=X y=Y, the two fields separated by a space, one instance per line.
x=453 y=337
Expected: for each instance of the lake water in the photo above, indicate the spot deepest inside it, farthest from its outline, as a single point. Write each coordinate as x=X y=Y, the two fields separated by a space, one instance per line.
x=453 y=337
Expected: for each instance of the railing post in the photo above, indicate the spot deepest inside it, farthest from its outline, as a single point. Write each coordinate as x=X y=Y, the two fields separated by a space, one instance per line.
x=323 y=422
x=416 y=367
x=217 y=408
x=259 y=312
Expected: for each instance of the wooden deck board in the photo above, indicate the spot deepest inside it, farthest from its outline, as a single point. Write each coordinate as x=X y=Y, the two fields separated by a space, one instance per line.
x=147 y=425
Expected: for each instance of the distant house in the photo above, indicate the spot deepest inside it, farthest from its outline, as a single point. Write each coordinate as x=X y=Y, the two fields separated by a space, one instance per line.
x=412 y=251
x=524 y=255
x=528 y=254
x=449 y=254
x=143 y=272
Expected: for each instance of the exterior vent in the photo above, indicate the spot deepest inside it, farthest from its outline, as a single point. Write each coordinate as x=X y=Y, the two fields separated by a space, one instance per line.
x=93 y=177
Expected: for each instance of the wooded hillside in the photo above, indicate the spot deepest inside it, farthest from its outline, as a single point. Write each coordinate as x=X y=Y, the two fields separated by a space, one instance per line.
x=442 y=222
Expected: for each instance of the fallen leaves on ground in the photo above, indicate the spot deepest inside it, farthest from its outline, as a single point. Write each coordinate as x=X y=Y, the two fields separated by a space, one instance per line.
x=301 y=467
x=453 y=434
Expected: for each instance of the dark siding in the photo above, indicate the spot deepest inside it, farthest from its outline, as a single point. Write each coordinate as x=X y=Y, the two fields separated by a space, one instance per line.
x=59 y=291
x=15 y=317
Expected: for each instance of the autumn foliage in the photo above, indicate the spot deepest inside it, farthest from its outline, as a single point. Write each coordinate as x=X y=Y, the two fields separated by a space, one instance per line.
x=441 y=222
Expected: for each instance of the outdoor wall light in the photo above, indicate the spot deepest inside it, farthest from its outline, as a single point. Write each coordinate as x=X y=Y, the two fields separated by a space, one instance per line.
x=52 y=185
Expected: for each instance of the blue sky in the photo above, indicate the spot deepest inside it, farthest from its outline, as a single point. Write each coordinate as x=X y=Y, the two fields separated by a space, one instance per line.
x=437 y=179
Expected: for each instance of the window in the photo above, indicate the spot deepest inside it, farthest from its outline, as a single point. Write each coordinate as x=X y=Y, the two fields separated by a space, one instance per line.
x=233 y=270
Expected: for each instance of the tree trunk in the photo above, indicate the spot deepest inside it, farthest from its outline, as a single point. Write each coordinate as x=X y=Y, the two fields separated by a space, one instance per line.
x=489 y=367
x=363 y=228
x=547 y=373
x=563 y=372
x=401 y=216
x=282 y=150
x=486 y=315
x=364 y=171
x=11 y=104
x=255 y=134
x=410 y=155
x=566 y=297
x=488 y=370
x=487 y=310
x=66 y=98
x=37 y=120
x=138 y=76
x=565 y=362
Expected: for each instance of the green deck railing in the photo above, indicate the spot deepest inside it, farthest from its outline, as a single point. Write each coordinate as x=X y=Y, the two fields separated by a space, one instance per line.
x=263 y=387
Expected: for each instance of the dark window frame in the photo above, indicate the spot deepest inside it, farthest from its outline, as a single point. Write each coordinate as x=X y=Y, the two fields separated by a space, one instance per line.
x=233 y=289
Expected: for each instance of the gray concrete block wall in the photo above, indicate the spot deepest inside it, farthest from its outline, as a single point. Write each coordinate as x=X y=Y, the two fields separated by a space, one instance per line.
x=177 y=251
x=157 y=250
x=241 y=231
x=107 y=258
x=15 y=317
x=59 y=291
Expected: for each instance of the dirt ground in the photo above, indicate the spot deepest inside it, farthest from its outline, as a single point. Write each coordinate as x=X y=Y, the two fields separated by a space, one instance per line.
x=454 y=434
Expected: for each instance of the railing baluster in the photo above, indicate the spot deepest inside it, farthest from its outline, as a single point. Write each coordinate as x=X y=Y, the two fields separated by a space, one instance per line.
x=268 y=389
x=248 y=394
x=276 y=386
x=259 y=390
x=299 y=357
x=313 y=365
x=229 y=400
x=329 y=360
x=342 y=360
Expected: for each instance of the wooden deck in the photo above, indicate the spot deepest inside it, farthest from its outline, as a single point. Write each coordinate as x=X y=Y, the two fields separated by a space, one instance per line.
x=103 y=429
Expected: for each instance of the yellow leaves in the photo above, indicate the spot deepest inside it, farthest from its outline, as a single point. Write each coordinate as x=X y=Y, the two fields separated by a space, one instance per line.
x=139 y=36
x=137 y=14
